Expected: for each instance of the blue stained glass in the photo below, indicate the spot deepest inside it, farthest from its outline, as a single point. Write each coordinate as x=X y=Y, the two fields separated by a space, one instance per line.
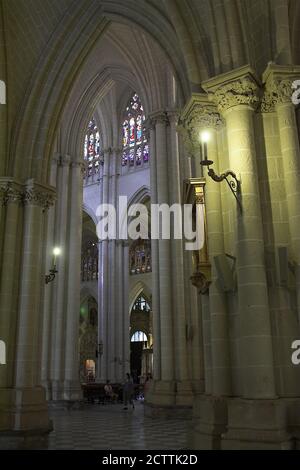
x=139 y=156
x=134 y=135
x=124 y=158
x=146 y=153
x=131 y=157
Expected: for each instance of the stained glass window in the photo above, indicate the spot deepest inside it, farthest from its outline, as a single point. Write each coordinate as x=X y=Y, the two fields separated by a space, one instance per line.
x=138 y=336
x=89 y=261
x=141 y=305
x=92 y=152
x=135 y=145
x=140 y=257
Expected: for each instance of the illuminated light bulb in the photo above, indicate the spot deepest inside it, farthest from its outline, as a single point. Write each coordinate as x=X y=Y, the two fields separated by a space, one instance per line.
x=56 y=251
x=205 y=137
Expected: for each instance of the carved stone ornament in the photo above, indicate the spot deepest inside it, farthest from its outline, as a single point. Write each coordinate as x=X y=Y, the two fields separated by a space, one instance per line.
x=36 y=194
x=277 y=92
x=159 y=117
x=241 y=91
x=10 y=193
x=199 y=117
x=200 y=281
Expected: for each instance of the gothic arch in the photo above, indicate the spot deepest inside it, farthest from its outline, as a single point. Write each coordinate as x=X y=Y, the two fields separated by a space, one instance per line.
x=136 y=290
x=59 y=66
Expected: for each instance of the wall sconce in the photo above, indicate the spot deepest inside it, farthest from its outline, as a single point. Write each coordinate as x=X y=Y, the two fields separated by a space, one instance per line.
x=99 y=351
x=53 y=271
x=234 y=184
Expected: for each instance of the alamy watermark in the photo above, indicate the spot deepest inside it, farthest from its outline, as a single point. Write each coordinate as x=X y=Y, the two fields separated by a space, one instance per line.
x=2 y=92
x=296 y=93
x=161 y=222
x=2 y=353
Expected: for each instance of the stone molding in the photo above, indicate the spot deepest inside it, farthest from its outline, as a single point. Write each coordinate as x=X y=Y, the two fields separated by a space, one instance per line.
x=173 y=115
x=240 y=92
x=278 y=81
x=277 y=92
x=30 y=193
x=199 y=113
x=38 y=195
x=79 y=164
x=10 y=192
x=237 y=87
x=158 y=117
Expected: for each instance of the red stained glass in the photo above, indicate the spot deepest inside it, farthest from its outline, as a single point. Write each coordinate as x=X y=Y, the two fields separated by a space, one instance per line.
x=91 y=151
x=135 y=147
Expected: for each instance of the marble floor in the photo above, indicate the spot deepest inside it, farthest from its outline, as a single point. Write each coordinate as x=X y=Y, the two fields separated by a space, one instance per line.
x=108 y=427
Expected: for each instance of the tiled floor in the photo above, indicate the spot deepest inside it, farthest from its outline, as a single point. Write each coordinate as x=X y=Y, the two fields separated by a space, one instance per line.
x=110 y=427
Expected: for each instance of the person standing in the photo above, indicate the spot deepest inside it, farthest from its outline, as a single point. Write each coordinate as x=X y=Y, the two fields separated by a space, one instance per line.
x=128 y=389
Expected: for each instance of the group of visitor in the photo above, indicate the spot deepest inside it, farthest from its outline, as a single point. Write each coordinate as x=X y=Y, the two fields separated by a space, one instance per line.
x=128 y=389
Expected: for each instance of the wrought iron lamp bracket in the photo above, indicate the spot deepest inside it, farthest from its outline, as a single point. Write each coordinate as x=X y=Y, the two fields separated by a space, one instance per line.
x=230 y=178
x=51 y=276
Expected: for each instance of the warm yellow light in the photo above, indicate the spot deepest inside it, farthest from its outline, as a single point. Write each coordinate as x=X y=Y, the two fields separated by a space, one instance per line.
x=56 y=251
x=204 y=137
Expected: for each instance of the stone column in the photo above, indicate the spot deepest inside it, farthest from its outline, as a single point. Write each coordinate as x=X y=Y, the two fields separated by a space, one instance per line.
x=279 y=81
x=3 y=105
x=236 y=94
x=193 y=299
x=237 y=100
x=103 y=283
x=120 y=372
x=195 y=352
x=278 y=97
x=200 y=115
x=48 y=299
x=184 y=391
x=31 y=410
x=155 y=262
x=72 y=389
x=112 y=285
x=10 y=200
x=166 y=388
x=220 y=350
x=126 y=316
x=59 y=287
x=99 y=337
x=221 y=372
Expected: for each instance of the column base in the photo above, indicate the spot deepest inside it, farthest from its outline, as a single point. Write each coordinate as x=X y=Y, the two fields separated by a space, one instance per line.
x=72 y=390
x=198 y=387
x=24 y=420
x=47 y=385
x=257 y=425
x=293 y=419
x=184 y=394
x=209 y=422
x=169 y=399
x=66 y=391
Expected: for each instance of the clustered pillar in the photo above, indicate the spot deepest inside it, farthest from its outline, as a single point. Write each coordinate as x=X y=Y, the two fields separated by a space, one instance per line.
x=22 y=398
x=172 y=380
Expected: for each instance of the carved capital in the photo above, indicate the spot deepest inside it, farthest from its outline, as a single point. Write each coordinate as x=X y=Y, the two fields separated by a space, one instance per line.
x=82 y=165
x=200 y=281
x=64 y=160
x=243 y=91
x=38 y=195
x=158 y=117
x=10 y=192
x=173 y=115
x=107 y=152
x=237 y=87
x=198 y=114
x=278 y=81
x=277 y=92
